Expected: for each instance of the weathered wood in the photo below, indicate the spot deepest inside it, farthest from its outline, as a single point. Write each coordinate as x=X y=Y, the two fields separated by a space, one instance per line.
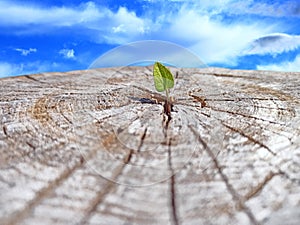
x=95 y=147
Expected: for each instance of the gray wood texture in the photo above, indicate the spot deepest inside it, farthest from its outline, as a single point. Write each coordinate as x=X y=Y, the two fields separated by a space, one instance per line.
x=95 y=147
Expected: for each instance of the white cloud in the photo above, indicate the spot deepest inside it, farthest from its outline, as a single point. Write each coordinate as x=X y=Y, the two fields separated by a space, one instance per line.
x=13 y=69
x=244 y=7
x=241 y=7
x=213 y=40
x=130 y=22
x=273 y=44
x=20 y=14
x=26 y=52
x=201 y=27
x=100 y=20
x=293 y=66
x=119 y=29
x=67 y=53
x=260 y=8
x=122 y=27
x=7 y=69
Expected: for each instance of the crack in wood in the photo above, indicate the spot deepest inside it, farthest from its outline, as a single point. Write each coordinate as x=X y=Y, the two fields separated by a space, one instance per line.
x=154 y=95
x=4 y=128
x=128 y=158
x=30 y=145
x=243 y=134
x=168 y=107
x=174 y=216
x=107 y=189
x=246 y=116
x=18 y=216
x=200 y=99
x=254 y=191
x=142 y=140
x=278 y=93
x=110 y=184
x=231 y=76
x=172 y=187
x=250 y=138
x=165 y=124
x=240 y=99
x=33 y=79
x=238 y=200
x=66 y=118
x=144 y=100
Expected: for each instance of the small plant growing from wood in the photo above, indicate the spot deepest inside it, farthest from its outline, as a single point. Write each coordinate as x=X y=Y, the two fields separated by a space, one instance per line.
x=163 y=81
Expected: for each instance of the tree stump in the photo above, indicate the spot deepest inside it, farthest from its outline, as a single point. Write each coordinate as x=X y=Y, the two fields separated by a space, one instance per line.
x=96 y=147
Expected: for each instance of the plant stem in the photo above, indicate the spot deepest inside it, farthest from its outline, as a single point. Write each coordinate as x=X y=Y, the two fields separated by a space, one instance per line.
x=167 y=94
x=168 y=105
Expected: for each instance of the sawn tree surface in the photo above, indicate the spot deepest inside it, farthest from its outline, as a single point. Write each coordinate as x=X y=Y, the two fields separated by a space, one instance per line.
x=95 y=147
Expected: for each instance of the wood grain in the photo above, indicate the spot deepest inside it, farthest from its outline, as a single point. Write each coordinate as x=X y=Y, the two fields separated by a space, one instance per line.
x=95 y=147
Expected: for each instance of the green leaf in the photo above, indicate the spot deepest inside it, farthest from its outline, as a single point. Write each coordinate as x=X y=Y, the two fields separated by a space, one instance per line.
x=163 y=78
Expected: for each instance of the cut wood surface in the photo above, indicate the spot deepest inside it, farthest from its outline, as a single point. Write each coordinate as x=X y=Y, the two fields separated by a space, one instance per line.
x=95 y=147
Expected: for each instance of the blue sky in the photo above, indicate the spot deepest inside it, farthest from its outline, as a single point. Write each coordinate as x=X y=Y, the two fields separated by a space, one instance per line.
x=55 y=35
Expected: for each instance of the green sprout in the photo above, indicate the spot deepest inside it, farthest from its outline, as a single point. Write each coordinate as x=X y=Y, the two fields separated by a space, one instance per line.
x=163 y=81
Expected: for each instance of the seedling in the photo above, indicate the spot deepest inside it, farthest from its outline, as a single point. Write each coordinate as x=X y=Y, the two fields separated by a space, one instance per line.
x=163 y=81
